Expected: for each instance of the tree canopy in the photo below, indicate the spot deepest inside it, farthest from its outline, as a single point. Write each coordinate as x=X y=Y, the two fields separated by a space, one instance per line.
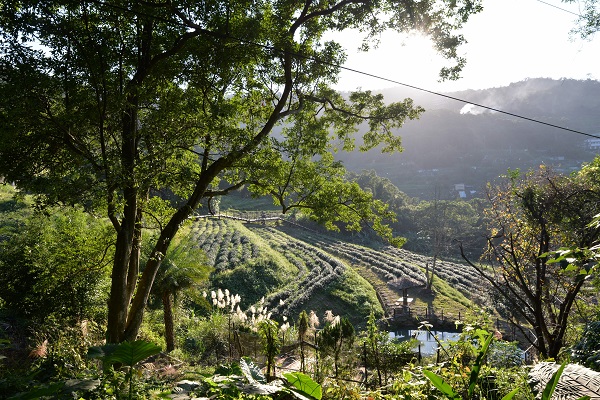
x=112 y=104
x=533 y=217
x=589 y=18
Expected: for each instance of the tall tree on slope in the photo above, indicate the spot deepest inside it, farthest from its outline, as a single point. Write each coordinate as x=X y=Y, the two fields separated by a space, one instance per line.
x=107 y=102
x=531 y=217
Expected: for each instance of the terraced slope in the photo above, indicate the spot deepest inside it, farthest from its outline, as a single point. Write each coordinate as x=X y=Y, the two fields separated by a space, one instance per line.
x=300 y=276
x=296 y=269
x=391 y=263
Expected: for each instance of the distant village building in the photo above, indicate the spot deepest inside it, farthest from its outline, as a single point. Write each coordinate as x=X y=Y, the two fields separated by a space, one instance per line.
x=593 y=144
x=464 y=191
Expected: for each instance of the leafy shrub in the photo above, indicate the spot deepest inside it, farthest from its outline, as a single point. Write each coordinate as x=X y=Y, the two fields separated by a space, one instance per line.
x=587 y=350
x=505 y=355
x=56 y=265
x=207 y=338
x=57 y=353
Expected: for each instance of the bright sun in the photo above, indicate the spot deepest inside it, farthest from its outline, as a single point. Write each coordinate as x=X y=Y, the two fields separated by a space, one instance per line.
x=408 y=59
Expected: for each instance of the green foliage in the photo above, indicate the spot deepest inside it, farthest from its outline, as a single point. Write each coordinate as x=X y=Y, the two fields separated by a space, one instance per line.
x=128 y=354
x=476 y=368
x=61 y=348
x=587 y=350
x=250 y=370
x=252 y=280
x=442 y=386
x=40 y=392
x=303 y=329
x=505 y=354
x=334 y=339
x=442 y=223
x=373 y=341
x=205 y=339
x=357 y=298
x=246 y=381
x=124 y=354
x=553 y=382
x=304 y=384
x=478 y=341
x=269 y=334
x=56 y=353
x=119 y=110
x=184 y=268
x=532 y=217
x=336 y=332
x=56 y=264
x=588 y=22
x=14 y=211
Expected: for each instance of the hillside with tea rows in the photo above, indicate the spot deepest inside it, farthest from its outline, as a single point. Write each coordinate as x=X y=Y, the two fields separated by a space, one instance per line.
x=297 y=269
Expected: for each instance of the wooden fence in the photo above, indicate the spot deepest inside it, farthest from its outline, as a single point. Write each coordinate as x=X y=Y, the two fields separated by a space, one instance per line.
x=246 y=216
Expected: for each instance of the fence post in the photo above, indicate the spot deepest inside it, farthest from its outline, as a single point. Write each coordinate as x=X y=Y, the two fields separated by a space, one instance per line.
x=316 y=376
x=230 y=328
x=365 y=358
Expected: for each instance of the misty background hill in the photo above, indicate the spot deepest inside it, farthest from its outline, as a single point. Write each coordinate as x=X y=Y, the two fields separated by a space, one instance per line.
x=455 y=148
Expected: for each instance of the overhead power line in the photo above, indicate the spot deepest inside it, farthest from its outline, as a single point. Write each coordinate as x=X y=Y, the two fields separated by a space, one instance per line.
x=323 y=62
x=558 y=8
x=468 y=102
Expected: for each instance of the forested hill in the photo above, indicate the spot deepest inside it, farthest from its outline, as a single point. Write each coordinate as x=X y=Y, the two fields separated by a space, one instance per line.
x=576 y=100
x=456 y=143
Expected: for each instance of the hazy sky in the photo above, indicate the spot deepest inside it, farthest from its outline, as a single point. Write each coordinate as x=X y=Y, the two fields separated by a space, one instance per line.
x=510 y=40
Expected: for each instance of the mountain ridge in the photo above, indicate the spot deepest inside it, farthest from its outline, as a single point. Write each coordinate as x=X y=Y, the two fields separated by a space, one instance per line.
x=446 y=147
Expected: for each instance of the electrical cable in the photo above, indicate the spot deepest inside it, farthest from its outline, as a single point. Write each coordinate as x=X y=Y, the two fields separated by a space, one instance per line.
x=559 y=8
x=470 y=102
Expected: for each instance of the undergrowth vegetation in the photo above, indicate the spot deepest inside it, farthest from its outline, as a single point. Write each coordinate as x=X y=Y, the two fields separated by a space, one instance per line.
x=259 y=311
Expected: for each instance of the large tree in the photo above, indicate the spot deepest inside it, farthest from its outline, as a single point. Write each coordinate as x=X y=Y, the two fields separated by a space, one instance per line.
x=111 y=103
x=532 y=218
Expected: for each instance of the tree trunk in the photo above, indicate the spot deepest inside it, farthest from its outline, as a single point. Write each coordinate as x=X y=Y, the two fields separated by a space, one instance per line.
x=134 y=259
x=123 y=283
x=120 y=290
x=144 y=285
x=168 y=318
x=429 y=273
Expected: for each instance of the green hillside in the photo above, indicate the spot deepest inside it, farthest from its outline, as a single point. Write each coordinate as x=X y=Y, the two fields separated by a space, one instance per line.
x=297 y=269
